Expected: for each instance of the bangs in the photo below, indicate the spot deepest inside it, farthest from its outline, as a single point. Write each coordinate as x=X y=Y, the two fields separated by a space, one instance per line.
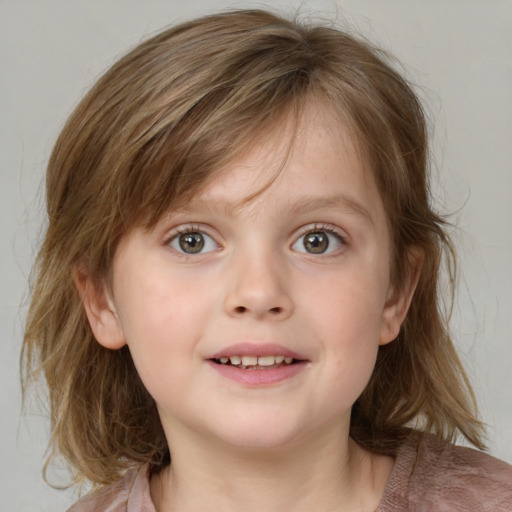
x=180 y=161
x=174 y=142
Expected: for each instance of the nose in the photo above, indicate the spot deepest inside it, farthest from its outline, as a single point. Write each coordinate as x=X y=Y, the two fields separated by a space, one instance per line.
x=259 y=287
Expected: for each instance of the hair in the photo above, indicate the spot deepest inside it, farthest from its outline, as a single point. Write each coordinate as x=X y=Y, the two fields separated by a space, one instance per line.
x=155 y=129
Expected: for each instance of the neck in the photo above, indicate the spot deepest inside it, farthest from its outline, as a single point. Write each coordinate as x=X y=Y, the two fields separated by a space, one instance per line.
x=303 y=476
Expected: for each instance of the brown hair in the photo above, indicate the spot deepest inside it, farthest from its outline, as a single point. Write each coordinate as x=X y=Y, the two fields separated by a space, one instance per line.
x=152 y=131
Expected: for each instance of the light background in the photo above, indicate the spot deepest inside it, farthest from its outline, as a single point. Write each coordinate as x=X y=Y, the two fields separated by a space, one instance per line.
x=460 y=52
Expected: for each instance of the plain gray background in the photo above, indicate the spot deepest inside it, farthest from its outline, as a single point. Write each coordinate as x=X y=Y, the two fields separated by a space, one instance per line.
x=459 y=51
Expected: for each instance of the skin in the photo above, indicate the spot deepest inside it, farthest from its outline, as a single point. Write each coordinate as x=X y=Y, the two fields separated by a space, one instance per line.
x=284 y=446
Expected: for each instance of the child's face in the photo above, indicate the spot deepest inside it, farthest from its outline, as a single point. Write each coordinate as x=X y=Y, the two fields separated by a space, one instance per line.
x=302 y=270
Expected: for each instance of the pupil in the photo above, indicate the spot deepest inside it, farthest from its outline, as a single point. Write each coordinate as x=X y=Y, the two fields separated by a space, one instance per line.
x=191 y=243
x=316 y=243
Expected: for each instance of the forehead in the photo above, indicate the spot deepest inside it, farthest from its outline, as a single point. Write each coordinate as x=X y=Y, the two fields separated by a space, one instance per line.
x=299 y=164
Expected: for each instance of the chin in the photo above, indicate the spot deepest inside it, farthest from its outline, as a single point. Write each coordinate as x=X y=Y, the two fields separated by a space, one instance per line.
x=260 y=433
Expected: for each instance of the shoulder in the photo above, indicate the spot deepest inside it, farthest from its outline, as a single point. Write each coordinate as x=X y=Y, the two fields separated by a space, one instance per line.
x=444 y=477
x=131 y=492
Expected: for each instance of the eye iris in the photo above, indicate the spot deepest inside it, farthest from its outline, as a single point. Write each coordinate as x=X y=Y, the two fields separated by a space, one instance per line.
x=316 y=243
x=191 y=243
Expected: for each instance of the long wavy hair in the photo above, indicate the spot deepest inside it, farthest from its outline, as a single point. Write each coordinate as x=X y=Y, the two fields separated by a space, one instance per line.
x=155 y=129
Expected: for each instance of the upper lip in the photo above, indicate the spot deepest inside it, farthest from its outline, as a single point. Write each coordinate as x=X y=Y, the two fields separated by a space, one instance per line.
x=256 y=349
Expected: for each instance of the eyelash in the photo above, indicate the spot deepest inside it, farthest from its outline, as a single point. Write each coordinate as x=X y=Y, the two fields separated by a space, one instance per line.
x=183 y=230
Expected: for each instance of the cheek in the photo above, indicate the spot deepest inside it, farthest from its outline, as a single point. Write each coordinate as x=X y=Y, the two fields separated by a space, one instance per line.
x=347 y=323
x=351 y=343
x=162 y=325
x=349 y=305
x=156 y=301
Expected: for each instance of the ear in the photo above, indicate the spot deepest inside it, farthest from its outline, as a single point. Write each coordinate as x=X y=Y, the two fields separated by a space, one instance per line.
x=100 y=310
x=399 y=299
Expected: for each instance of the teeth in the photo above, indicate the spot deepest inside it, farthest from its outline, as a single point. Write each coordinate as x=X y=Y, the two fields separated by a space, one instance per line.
x=266 y=360
x=249 y=360
x=255 y=361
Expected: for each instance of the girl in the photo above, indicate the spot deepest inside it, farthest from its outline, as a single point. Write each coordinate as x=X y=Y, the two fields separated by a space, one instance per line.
x=236 y=302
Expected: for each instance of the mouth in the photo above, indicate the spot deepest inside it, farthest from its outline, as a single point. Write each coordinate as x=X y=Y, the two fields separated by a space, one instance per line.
x=249 y=362
x=256 y=364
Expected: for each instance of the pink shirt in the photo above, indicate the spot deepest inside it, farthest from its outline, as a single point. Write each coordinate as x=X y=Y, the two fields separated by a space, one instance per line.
x=427 y=476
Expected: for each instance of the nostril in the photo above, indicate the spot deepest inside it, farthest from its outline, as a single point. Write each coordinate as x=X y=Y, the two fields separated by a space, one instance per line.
x=277 y=310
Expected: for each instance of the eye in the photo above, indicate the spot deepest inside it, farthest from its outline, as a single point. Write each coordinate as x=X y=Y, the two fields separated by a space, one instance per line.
x=193 y=242
x=318 y=242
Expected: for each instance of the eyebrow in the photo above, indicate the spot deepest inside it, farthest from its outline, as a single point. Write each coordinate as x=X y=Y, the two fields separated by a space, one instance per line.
x=339 y=202
x=299 y=204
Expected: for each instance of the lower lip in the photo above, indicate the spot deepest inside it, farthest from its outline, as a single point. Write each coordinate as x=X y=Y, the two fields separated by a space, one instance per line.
x=259 y=377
